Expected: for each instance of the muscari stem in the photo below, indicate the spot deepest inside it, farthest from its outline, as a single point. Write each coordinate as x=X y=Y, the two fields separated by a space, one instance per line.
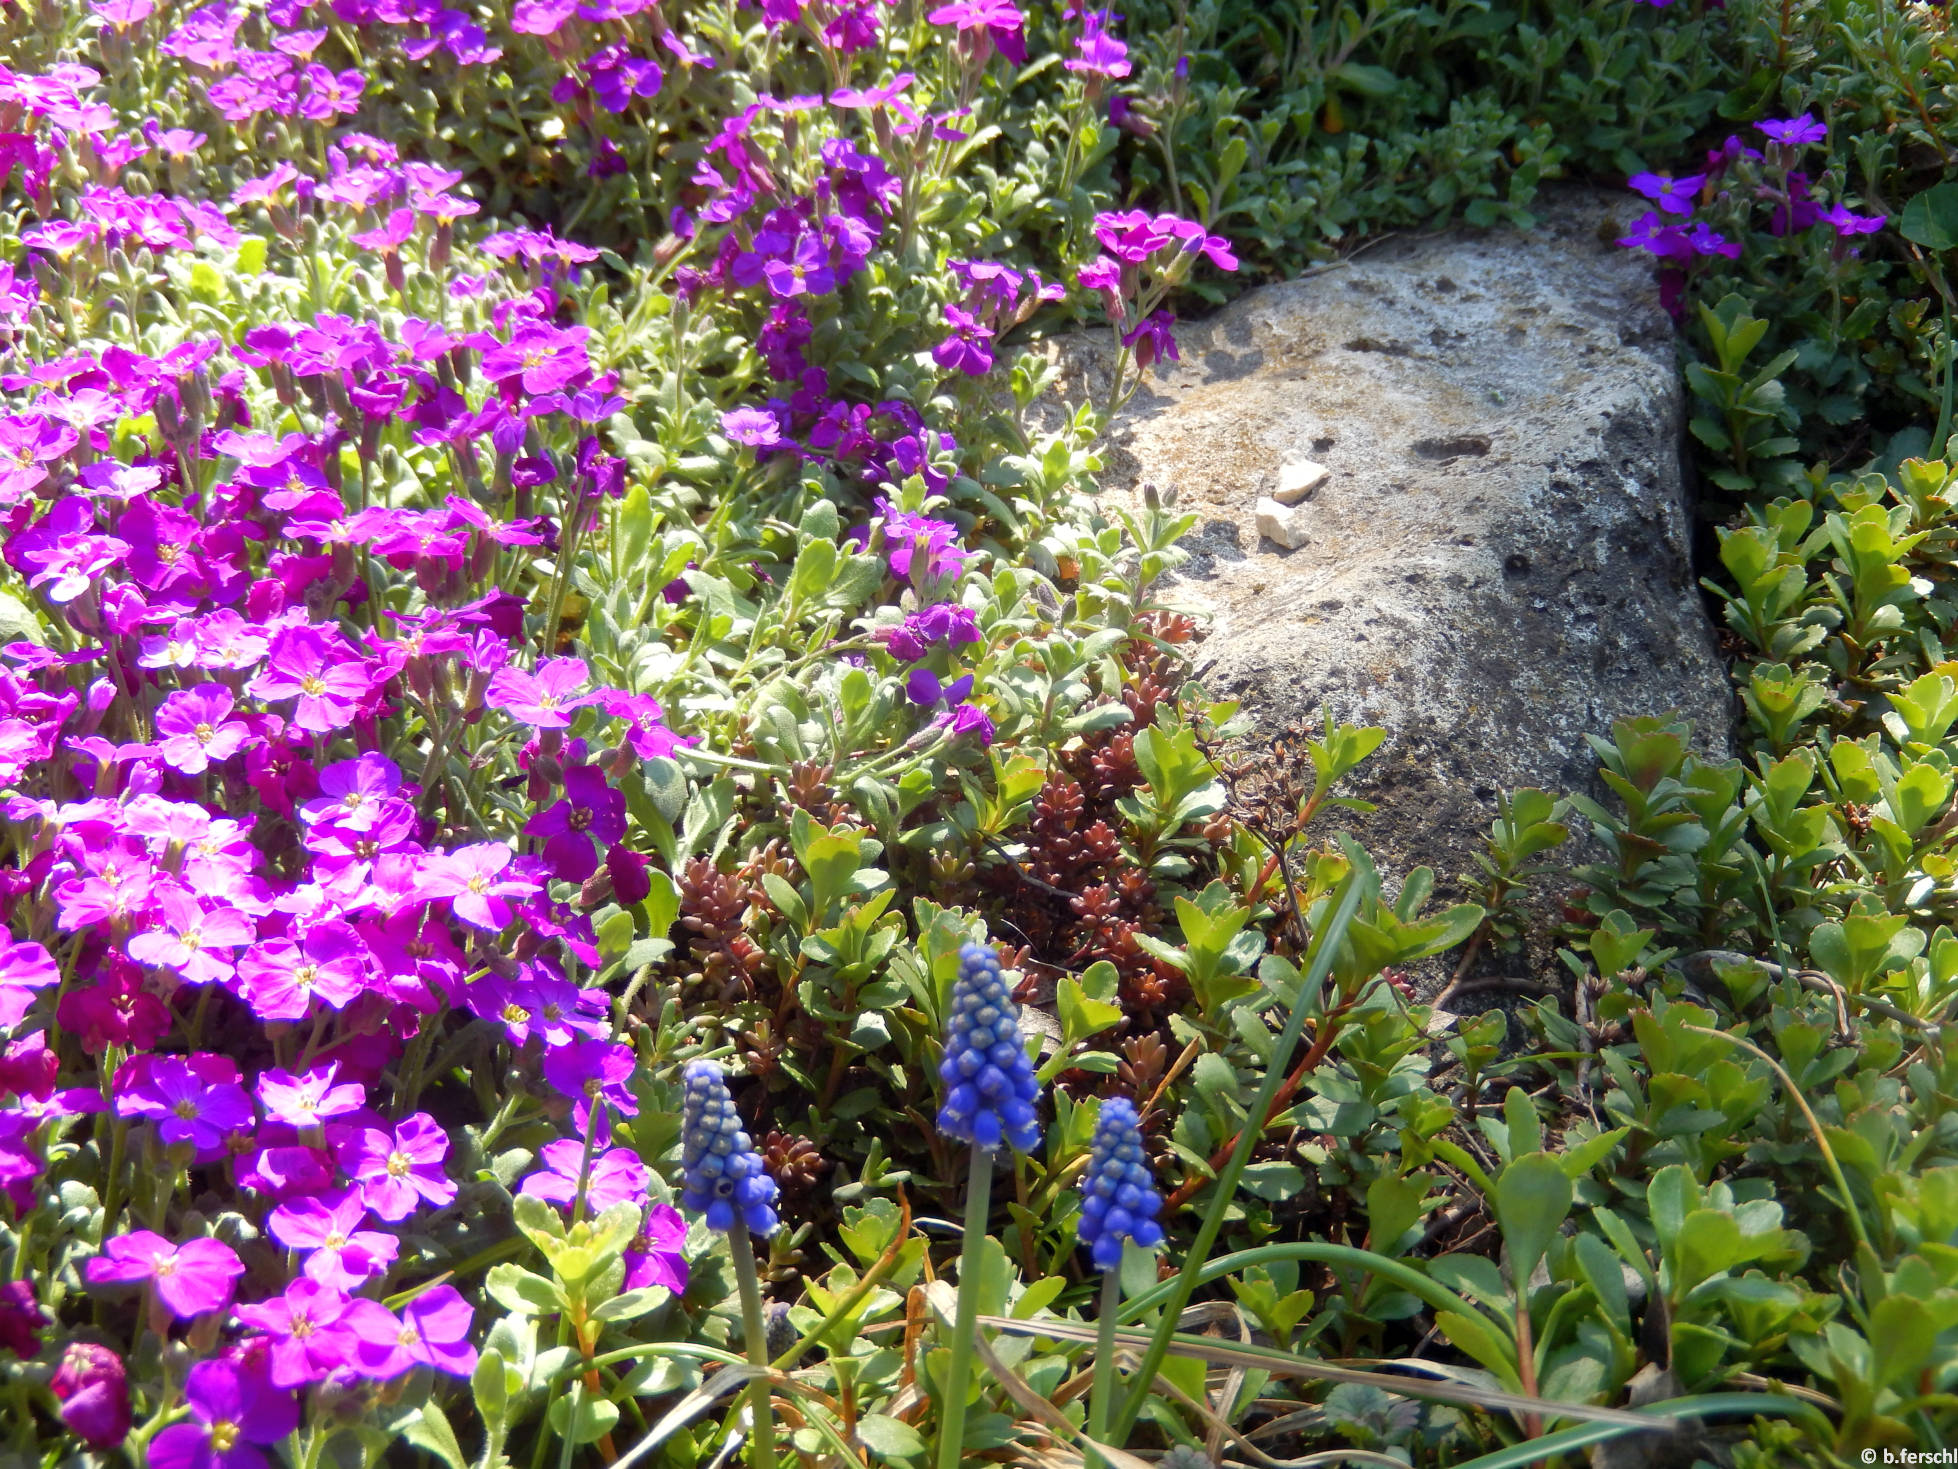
x=951 y=1412
x=1344 y=900
x=756 y=1328
x=1101 y=1396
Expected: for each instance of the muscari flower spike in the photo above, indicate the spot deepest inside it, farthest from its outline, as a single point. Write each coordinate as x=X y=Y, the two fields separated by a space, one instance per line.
x=990 y=1082
x=722 y=1172
x=1119 y=1202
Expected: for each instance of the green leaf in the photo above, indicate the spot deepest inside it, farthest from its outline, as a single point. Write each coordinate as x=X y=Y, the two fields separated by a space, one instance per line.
x=1902 y=1335
x=1931 y=219
x=1533 y=1194
x=1709 y=1242
x=430 y=1430
x=595 y=1417
x=1480 y=1340
x=488 y=1386
x=517 y=1289
x=890 y=1438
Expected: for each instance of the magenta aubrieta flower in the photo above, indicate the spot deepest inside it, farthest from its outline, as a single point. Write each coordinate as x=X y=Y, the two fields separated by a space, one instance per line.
x=339 y=1253
x=25 y=967
x=753 y=428
x=1097 y=53
x=1845 y=223
x=618 y=1176
x=190 y=938
x=281 y=978
x=546 y=699
x=432 y=1331
x=539 y=358
x=196 y=730
x=306 y=1331
x=92 y=1386
x=327 y=677
x=996 y=21
x=397 y=1173
x=235 y=1414
x=189 y=1279
x=646 y=732
x=919 y=546
x=474 y=880
x=309 y=1098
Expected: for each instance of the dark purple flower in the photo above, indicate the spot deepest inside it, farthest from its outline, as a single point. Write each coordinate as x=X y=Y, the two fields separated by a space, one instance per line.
x=21 y=1318
x=1152 y=340
x=236 y=1414
x=1795 y=130
x=969 y=347
x=1673 y=196
x=590 y=811
x=192 y=1100
x=588 y=1070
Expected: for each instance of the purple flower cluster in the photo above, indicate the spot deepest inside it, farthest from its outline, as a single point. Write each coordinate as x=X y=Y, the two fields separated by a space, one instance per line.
x=1682 y=243
x=305 y=784
x=1143 y=256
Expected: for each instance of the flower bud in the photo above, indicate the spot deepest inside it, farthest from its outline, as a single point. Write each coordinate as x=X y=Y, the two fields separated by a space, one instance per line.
x=93 y=1390
x=631 y=880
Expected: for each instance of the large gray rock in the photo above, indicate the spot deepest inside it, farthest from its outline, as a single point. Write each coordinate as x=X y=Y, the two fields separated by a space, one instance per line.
x=1499 y=560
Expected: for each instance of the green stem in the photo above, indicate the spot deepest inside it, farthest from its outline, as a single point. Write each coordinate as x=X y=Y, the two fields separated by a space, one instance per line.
x=965 y=1326
x=756 y=1327
x=1332 y=933
x=1101 y=1396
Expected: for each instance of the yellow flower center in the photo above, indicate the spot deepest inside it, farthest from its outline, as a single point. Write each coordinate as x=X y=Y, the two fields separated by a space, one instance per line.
x=399 y=1164
x=224 y=1436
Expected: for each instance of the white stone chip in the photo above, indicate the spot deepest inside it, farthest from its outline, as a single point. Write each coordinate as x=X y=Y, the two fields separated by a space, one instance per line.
x=1281 y=523
x=1299 y=479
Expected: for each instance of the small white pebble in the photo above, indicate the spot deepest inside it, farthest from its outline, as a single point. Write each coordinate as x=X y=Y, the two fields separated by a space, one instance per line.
x=1298 y=480
x=1281 y=523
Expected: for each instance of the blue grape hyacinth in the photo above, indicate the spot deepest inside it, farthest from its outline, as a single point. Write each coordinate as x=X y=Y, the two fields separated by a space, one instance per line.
x=722 y=1172
x=1119 y=1202
x=990 y=1085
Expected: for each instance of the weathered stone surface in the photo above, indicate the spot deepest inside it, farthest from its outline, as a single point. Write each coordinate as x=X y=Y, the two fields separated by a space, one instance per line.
x=1499 y=562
